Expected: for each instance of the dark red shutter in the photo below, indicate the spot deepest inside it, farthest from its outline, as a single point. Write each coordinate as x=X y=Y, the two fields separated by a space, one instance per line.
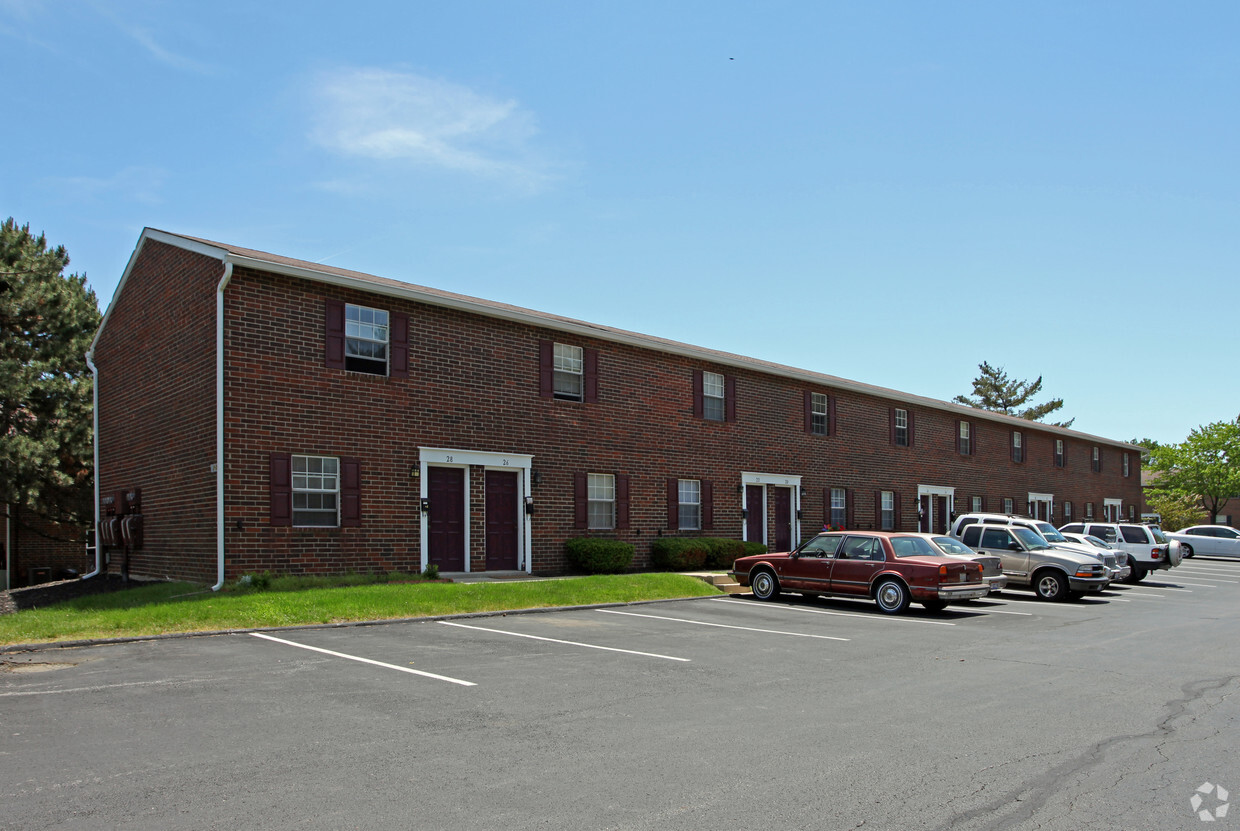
x=910 y=428
x=831 y=428
x=350 y=493
x=895 y=506
x=878 y=510
x=891 y=425
x=590 y=381
x=673 y=504
x=809 y=411
x=546 y=367
x=972 y=437
x=334 y=320
x=708 y=505
x=849 y=515
x=1012 y=445
x=581 y=500
x=959 y=447
x=280 y=484
x=622 y=501
x=697 y=393
x=826 y=507
x=400 y=345
x=730 y=398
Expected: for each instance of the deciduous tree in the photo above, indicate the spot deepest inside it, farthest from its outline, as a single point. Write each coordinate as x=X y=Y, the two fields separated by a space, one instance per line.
x=993 y=390
x=47 y=320
x=1204 y=467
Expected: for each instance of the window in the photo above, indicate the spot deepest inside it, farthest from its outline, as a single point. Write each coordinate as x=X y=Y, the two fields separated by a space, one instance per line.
x=713 y=396
x=1089 y=510
x=996 y=538
x=690 y=505
x=1097 y=460
x=901 y=433
x=1133 y=533
x=839 y=507
x=887 y=511
x=365 y=339
x=568 y=372
x=1132 y=510
x=1125 y=465
x=964 y=438
x=819 y=414
x=601 y=501
x=1008 y=507
x=862 y=548
x=316 y=491
x=1067 y=511
x=977 y=505
x=1058 y=452
x=1018 y=450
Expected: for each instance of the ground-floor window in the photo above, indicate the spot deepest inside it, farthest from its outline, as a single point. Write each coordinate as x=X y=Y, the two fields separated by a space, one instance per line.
x=316 y=491
x=888 y=510
x=690 y=505
x=839 y=507
x=602 y=501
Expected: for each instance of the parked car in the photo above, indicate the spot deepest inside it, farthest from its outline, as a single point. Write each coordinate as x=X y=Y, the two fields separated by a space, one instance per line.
x=1211 y=540
x=1029 y=560
x=992 y=566
x=1147 y=547
x=1110 y=553
x=893 y=569
x=1115 y=561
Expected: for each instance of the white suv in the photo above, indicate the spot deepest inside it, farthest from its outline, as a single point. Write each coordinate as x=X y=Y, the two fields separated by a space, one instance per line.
x=1147 y=547
x=1116 y=562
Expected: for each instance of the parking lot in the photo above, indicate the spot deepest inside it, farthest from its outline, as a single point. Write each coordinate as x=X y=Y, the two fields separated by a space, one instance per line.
x=725 y=713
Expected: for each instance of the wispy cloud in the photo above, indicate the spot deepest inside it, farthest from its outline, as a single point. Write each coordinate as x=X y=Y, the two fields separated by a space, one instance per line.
x=145 y=37
x=384 y=115
x=133 y=184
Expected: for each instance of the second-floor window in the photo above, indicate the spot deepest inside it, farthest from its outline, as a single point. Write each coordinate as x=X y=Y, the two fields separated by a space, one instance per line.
x=900 y=428
x=568 y=372
x=365 y=339
x=1018 y=449
x=819 y=421
x=713 y=396
x=1125 y=465
x=1058 y=452
x=965 y=438
x=1096 y=462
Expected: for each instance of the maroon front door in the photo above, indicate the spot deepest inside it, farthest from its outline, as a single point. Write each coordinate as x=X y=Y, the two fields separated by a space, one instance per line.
x=755 y=522
x=502 y=520
x=446 y=518
x=783 y=519
x=923 y=514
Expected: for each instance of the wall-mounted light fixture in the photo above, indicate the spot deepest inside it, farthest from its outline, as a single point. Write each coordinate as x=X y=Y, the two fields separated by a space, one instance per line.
x=529 y=504
x=536 y=477
x=415 y=471
x=802 y=491
x=740 y=488
x=426 y=505
x=744 y=513
x=798 y=513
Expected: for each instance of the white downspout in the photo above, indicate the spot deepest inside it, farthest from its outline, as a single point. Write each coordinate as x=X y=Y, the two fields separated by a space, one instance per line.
x=94 y=373
x=219 y=426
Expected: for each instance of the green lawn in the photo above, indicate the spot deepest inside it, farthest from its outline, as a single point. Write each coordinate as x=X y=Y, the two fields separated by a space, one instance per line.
x=184 y=607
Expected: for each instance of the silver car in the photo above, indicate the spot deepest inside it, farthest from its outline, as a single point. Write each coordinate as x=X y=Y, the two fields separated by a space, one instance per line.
x=992 y=566
x=1114 y=558
x=1052 y=573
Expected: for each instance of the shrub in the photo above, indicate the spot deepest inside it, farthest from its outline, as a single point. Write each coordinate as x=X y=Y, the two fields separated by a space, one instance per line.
x=595 y=556
x=432 y=572
x=752 y=548
x=690 y=553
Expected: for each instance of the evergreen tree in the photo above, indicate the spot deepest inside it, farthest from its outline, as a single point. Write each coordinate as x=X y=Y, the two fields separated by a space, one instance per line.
x=47 y=321
x=994 y=391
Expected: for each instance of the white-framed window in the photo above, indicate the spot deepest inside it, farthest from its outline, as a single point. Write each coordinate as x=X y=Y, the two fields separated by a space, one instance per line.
x=365 y=339
x=1018 y=449
x=601 y=496
x=901 y=428
x=818 y=414
x=1089 y=510
x=568 y=371
x=1067 y=511
x=1126 y=466
x=1058 y=452
x=965 y=437
x=888 y=510
x=316 y=491
x=1008 y=505
x=690 y=512
x=713 y=405
x=1096 y=462
x=977 y=505
x=839 y=507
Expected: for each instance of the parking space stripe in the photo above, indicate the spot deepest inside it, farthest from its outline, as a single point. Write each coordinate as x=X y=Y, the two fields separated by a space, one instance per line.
x=1198 y=585
x=989 y=611
x=1161 y=588
x=724 y=625
x=366 y=660
x=569 y=643
x=768 y=605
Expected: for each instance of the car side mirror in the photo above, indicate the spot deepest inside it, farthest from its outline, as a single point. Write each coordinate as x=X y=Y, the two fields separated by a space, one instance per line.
x=1014 y=546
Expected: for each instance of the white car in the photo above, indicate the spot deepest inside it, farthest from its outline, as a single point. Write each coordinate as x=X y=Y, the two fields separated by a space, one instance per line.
x=1209 y=540
x=1116 y=562
x=1148 y=549
x=1125 y=570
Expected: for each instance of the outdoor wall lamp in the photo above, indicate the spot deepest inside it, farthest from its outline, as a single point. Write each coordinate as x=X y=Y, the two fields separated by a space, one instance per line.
x=426 y=505
x=415 y=472
x=744 y=513
x=536 y=477
x=529 y=505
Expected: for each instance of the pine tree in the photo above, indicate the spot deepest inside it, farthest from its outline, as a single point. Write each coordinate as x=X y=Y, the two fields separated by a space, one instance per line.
x=47 y=321
x=994 y=391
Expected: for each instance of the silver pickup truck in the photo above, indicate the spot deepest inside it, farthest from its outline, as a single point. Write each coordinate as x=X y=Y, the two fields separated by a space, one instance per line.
x=1052 y=573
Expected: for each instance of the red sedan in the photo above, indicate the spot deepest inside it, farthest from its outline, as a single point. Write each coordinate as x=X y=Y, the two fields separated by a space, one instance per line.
x=892 y=568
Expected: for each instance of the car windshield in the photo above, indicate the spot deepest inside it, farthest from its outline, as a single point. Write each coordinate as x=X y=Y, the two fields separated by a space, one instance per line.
x=1047 y=530
x=1159 y=536
x=953 y=546
x=1031 y=538
x=1097 y=543
x=914 y=547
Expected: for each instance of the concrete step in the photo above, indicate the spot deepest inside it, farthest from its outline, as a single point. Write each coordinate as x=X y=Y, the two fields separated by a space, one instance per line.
x=723 y=582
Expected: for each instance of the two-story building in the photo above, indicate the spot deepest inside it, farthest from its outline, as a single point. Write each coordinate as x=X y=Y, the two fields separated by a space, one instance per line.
x=264 y=413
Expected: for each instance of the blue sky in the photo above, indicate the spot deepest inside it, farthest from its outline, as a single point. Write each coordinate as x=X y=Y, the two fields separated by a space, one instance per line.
x=891 y=192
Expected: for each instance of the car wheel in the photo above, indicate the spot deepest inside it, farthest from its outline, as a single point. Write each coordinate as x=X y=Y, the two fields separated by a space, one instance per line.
x=1186 y=550
x=892 y=597
x=765 y=585
x=935 y=605
x=1138 y=573
x=1050 y=585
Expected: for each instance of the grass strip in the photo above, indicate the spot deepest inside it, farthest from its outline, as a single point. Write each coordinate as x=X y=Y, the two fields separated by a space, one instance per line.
x=183 y=607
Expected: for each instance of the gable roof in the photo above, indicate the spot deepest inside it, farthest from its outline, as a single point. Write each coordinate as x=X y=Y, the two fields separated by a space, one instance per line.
x=318 y=272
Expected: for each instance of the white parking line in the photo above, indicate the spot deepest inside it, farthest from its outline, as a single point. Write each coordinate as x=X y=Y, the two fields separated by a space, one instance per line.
x=1198 y=585
x=722 y=625
x=366 y=660
x=569 y=643
x=989 y=611
x=764 y=604
x=1207 y=575
x=1157 y=587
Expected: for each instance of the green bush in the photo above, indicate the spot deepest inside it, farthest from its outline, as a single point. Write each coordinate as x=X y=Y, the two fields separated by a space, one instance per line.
x=752 y=548
x=595 y=556
x=691 y=553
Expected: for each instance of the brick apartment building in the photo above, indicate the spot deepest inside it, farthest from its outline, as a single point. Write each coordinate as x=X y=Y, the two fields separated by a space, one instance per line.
x=264 y=413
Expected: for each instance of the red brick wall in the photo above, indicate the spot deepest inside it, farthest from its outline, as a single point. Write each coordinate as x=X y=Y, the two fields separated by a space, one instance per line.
x=473 y=385
x=156 y=377
x=37 y=544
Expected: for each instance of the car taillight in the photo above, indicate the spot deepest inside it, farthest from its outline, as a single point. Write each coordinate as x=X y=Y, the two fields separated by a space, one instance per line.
x=1156 y=552
x=942 y=571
